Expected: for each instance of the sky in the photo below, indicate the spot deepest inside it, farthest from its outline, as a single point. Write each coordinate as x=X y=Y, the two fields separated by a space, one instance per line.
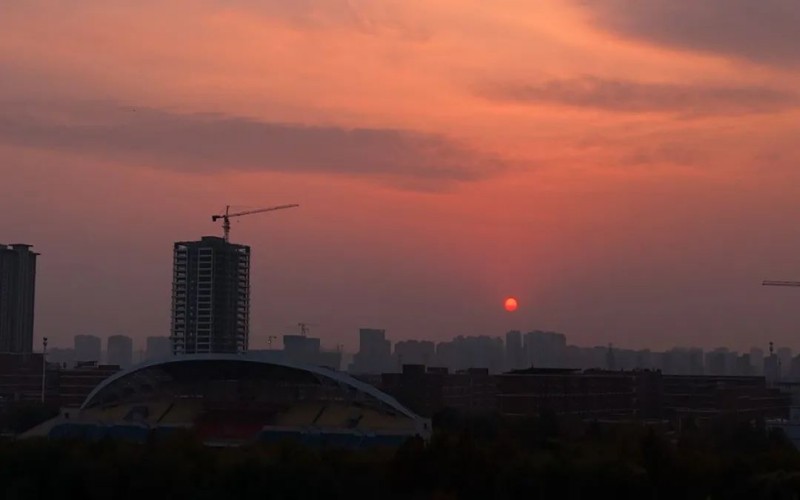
x=628 y=170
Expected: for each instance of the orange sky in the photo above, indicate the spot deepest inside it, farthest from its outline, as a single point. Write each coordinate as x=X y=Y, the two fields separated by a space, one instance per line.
x=627 y=169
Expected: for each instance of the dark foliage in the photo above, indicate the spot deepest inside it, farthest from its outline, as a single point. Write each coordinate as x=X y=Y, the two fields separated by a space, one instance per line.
x=19 y=417
x=481 y=458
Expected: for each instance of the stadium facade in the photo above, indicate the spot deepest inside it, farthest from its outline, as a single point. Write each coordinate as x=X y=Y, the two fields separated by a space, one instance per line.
x=230 y=399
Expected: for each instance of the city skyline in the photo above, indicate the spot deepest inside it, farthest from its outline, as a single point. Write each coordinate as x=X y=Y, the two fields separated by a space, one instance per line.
x=627 y=181
x=516 y=350
x=140 y=343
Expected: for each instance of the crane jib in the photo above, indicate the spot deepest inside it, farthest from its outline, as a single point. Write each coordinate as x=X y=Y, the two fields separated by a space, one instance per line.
x=226 y=217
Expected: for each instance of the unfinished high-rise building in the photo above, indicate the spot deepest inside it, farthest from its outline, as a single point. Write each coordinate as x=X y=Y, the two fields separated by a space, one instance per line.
x=210 y=297
x=17 y=294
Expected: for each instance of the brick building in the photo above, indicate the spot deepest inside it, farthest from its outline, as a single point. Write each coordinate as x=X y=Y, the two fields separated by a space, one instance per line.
x=568 y=392
x=21 y=380
x=602 y=394
x=73 y=385
x=707 y=396
x=429 y=391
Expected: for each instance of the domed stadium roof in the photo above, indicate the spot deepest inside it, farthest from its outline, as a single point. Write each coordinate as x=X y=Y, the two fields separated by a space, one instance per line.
x=198 y=372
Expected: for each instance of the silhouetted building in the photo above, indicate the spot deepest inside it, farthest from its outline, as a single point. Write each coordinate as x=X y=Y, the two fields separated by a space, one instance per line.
x=591 y=393
x=330 y=359
x=73 y=385
x=17 y=294
x=644 y=360
x=427 y=392
x=119 y=351
x=414 y=352
x=683 y=361
x=307 y=351
x=585 y=357
x=374 y=352
x=627 y=359
x=301 y=349
x=210 y=297
x=464 y=353
x=743 y=366
x=545 y=349
x=21 y=378
x=785 y=359
x=717 y=362
x=157 y=347
x=515 y=355
x=87 y=348
x=709 y=396
x=794 y=369
x=757 y=360
x=772 y=368
x=611 y=359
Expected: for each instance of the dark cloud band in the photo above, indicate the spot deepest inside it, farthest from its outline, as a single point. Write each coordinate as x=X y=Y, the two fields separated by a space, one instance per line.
x=211 y=143
x=761 y=31
x=635 y=97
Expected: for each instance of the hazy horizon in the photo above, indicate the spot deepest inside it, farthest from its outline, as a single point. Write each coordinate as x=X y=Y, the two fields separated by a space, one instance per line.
x=627 y=170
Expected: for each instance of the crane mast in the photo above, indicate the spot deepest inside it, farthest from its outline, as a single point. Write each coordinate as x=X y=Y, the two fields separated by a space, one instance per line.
x=227 y=216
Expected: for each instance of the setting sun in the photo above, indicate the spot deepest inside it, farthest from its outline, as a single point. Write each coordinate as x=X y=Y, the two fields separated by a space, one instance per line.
x=511 y=304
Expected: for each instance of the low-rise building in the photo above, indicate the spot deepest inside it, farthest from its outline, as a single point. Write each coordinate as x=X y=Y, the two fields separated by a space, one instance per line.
x=72 y=386
x=429 y=391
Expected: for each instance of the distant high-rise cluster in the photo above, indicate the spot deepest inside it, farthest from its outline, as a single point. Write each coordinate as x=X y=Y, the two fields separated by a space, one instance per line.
x=17 y=294
x=210 y=297
x=539 y=349
x=88 y=350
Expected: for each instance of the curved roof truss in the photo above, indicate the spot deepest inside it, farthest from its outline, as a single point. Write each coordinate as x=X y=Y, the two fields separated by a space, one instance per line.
x=268 y=358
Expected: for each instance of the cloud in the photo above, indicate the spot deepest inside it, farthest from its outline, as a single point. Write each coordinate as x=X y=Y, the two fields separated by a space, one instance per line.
x=301 y=13
x=762 y=31
x=214 y=143
x=368 y=17
x=626 y=96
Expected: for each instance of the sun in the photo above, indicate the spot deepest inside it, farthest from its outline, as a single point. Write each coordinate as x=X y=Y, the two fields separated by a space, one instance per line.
x=511 y=304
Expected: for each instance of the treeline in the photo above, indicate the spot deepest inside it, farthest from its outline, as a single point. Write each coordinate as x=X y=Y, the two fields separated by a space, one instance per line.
x=486 y=458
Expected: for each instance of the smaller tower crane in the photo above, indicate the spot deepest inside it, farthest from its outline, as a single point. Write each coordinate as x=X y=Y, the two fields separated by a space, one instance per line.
x=305 y=327
x=226 y=217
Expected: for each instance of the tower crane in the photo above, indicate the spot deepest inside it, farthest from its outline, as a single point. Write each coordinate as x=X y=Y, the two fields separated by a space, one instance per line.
x=304 y=328
x=226 y=217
